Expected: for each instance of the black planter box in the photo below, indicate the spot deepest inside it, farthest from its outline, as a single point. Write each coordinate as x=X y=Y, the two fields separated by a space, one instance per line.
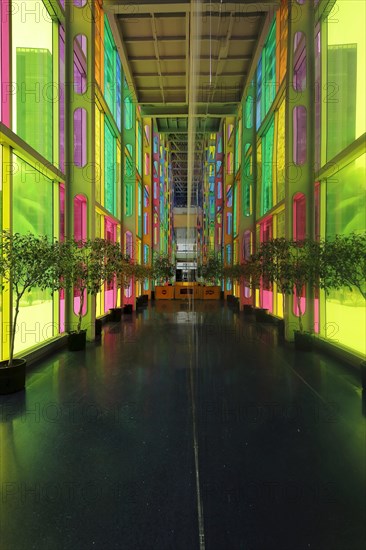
x=247 y=309
x=98 y=327
x=363 y=375
x=304 y=341
x=139 y=302
x=77 y=341
x=115 y=314
x=12 y=379
x=127 y=308
x=145 y=298
x=261 y=315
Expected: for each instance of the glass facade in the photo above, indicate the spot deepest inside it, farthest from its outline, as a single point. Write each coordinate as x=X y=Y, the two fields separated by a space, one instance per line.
x=86 y=162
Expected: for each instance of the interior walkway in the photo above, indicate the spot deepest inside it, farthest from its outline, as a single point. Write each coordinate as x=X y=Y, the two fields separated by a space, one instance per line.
x=109 y=448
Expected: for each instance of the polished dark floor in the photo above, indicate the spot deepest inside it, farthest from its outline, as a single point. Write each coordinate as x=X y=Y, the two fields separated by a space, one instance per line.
x=184 y=430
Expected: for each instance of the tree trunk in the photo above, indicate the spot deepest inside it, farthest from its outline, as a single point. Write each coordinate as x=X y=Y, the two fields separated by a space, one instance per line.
x=298 y=298
x=80 y=315
x=13 y=331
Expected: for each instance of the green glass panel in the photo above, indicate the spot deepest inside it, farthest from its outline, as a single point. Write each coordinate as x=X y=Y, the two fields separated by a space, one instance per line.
x=32 y=211
x=110 y=169
x=267 y=170
x=109 y=68
x=34 y=72
x=270 y=69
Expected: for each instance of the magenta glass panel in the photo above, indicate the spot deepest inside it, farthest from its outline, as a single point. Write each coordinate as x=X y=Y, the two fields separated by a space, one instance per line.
x=316 y=315
x=5 y=85
x=62 y=99
x=110 y=292
x=317 y=210
x=80 y=137
x=80 y=233
x=267 y=300
x=129 y=244
x=299 y=217
x=299 y=62
x=80 y=211
x=79 y=3
x=299 y=134
x=80 y=64
x=62 y=2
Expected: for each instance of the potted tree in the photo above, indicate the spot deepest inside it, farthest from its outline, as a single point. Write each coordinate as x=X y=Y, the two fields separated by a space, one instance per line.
x=141 y=273
x=119 y=269
x=212 y=273
x=301 y=267
x=84 y=267
x=26 y=262
x=163 y=270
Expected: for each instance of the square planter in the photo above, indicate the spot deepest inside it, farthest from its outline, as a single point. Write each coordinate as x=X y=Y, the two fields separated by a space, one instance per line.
x=304 y=341
x=115 y=314
x=77 y=341
x=261 y=315
x=12 y=379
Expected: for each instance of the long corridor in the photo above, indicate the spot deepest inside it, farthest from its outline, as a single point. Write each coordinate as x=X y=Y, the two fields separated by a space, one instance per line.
x=189 y=428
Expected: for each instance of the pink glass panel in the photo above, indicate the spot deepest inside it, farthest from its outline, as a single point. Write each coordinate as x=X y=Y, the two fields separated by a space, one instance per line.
x=80 y=233
x=299 y=133
x=5 y=85
x=267 y=299
x=62 y=98
x=80 y=137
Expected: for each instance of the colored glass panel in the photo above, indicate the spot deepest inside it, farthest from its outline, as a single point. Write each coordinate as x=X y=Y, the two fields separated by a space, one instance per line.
x=344 y=101
x=98 y=153
x=128 y=110
x=270 y=69
x=32 y=211
x=99 y=36
x=110 y=169
x=299 y=76
x=32 y=65
x=118 y=92
x=62 y=76
x=249 y=112
x=4 y=63
x=267 y=170
x=109 y=68
x=299 y=211
x=280 y=153
x=80 y=63
x=80 y=145
x=299 y=134
x=346 y=212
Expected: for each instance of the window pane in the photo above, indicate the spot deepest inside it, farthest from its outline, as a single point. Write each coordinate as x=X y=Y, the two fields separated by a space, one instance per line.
x=80 y=66
x=299 y=133
x=80 y=144
x=110 y=170
x=345 y=87
x=32 y=68
x=33 y=211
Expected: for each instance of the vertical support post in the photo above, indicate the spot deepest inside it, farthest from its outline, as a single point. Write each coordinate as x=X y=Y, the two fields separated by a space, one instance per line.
x=300 y=178
x=80 y=180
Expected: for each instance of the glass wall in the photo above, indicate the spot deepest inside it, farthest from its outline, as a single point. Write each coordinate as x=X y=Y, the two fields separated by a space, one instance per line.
x=32 y=55
x=32 y=211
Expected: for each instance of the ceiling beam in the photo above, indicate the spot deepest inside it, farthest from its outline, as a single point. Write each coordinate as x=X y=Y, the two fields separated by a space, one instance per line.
x=156 y=48
x=126 y=8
